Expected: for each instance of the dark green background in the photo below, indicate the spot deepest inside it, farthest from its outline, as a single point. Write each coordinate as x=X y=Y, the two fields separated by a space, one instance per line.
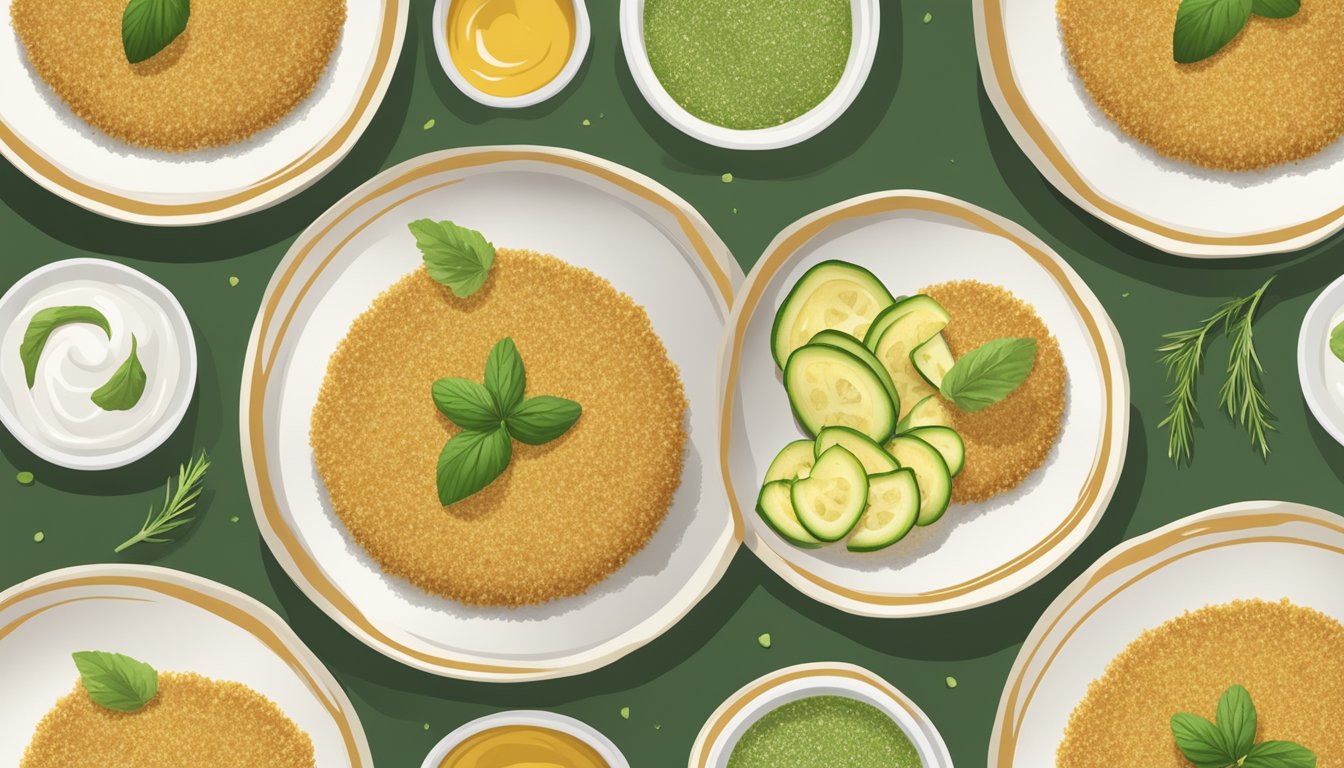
x=922 y=121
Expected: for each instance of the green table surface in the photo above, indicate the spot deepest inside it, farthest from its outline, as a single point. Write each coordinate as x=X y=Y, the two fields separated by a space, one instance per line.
x=922 y=121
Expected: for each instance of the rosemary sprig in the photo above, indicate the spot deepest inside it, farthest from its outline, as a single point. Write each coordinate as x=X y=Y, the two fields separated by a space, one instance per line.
x=175 y=504
x=1242 y=394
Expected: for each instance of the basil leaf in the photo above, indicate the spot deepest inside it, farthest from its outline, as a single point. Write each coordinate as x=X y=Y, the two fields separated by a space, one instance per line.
x=1336 y=342
x=1276 y=9
x=46 y=321
x=115 y=681
x=148 y=26
x=123 y=390
x=505 y=376
x=984 y=376
x=468 y=404
x=1203 y=27
x=1236 y=720
x=542 y=419
x=1200 y=741
x=471 y=461
x=1280 y=754
x=457 y=257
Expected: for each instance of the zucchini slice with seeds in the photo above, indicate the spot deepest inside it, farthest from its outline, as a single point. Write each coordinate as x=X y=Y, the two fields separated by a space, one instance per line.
x=893 y=507
x=929 y=412
x=828 y=386
x=948 y=443
x=907 y=304
x=829 y=502
x=873 y=457
x=855 y=347
x=793 y=462
x=924 y=321
x=833 y=294
x=932 y=360
x=775 y=506
x=931 y=474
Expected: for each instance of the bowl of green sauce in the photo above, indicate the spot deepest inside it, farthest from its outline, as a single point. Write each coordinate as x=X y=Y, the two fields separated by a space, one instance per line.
x=750 y=74
x=826 y=714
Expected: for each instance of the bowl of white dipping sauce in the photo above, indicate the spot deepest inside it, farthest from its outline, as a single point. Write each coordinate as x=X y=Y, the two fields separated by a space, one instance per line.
x=85 y=407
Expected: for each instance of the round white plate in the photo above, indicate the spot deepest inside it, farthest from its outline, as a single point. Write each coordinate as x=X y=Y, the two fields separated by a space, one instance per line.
x=1178 y=207
x=43 y=138
x=1319 y=371
x=528 y=717
x=174 y=622
x=755 y=700
x=591 y=213
x=1260 y=549
x=51 y=275
x=975 y=554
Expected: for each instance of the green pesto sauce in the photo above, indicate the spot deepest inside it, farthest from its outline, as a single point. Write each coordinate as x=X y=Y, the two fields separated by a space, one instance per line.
x=825 y=732
x=748 y=64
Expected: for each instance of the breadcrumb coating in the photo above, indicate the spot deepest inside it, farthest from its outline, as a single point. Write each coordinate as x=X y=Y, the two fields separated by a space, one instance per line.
x=238 y=68
x=1271 y=96
x=563 y=516
x=1009 y=440
x=193 y=722
x=1290 y=659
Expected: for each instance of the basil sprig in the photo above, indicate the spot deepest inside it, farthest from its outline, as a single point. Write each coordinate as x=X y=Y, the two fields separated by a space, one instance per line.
x=1230 y=739
x=123 y=390
x=1337 y=341
x=457 y=257
x=492 y=415
x=149 y=26
x=989 y=373
x=43 y=323
x=1203 y=27
x=117 y=682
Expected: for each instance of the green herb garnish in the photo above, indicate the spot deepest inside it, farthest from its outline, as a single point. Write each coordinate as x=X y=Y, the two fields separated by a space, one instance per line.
x=1203 y=27
x=457 y=257
x=149 y=26
x=1229 y=742
x=491 y=417
x=24 y=477
x=115 y=681
x=988 y=374
x=175 y=504
x=1242 y=395
x=124 y=389
x=1337 y=341
x=40 y=328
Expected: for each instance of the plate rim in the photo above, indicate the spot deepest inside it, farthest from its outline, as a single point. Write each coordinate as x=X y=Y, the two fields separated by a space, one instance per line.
x=1000 y=83
x=216 y=598
x=304 y=170
x=302 y=568
x=536 y=718
x=1237 y=517
x=1309 y=352
x=1106 y=343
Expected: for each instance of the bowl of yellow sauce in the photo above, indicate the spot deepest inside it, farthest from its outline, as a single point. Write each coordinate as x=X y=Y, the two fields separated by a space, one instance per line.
x=511 y=53
x=525 y=739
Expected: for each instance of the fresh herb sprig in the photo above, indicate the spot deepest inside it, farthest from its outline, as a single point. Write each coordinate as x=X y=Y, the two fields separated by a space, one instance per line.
x=457 y=257
x=149 y=26
x=116 y=682
x=176 y=502
x=126 y=385
x=989 y=373
x=1242 y=394
x=492 y=415
x=1337 y=342
x=1229 y=741
x=121 y=391
x=1203 y=27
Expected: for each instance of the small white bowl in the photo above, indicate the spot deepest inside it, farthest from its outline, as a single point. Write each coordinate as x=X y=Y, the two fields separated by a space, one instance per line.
x=535 y=719
x=12 y=303
x=1319 y=371
x=862 y=51
x=582 y=38
x=755 y=700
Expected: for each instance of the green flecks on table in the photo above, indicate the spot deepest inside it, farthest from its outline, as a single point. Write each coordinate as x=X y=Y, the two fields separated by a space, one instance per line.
x=625 y=713
x=928 y=17
x=24 y=478
x=587 y=122
x=748 y=64
x=233 y=519
x=233 y=281
x=825 y=730
x=426 y=726
x=39 y=536
x=763 y=640
x=727 y=178
x=429 y=123
x=951 y=681
x=1125 y=295
x=734 y=211
x=657 y=726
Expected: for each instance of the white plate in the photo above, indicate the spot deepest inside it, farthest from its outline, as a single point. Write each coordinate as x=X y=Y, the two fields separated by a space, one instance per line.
x=757 y=699
x=1319 y=371
x=1260 y=549
x=52 y=275
x=174 y=622
x=536 y=719
x=975 y=554
x=43 y=138
x=591 y=213
x=1178 y=207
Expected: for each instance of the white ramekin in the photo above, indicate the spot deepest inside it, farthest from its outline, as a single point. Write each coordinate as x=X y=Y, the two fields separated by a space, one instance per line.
x=536 y=719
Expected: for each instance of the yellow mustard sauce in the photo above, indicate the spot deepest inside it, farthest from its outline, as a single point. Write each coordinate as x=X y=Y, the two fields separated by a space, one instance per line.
x=510 y=47
x=523 y=746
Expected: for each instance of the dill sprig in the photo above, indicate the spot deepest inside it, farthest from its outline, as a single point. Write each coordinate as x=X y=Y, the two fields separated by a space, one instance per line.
x=175 y=504
x=1242 y=395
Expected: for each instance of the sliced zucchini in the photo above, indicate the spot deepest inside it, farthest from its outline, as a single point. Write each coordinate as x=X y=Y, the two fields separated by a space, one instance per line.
x=833 y=294
x=829 y=502
x=929 y=412
x=792 y=463
x=828 y=386
x=855 y=347
x=873 y=457
x=931 y=473
x=924 y=321
x=932 y=360
x=948 y=443
x=893 y=507
x=907 y=304
x=775 y=506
